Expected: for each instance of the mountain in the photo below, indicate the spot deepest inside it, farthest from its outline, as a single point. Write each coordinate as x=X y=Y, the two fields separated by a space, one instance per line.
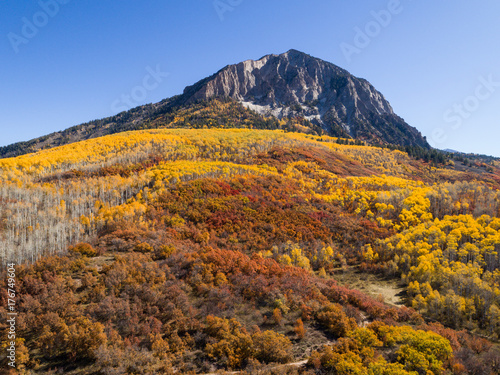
x=296 y=84
x=318 y=95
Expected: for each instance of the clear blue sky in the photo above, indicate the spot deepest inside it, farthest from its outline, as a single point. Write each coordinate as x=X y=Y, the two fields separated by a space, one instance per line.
x=437 y=62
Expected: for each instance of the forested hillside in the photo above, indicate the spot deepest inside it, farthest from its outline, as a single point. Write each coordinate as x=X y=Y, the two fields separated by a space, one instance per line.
x=215 y=113
x=196 y=250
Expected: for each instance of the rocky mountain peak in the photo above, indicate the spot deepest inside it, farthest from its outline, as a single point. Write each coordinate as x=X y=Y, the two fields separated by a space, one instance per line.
x=296 y=84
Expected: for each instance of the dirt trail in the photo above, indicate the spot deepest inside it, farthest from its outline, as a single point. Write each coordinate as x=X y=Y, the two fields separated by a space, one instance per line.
x=390 y=293
x=292 y=364
x=377 y=286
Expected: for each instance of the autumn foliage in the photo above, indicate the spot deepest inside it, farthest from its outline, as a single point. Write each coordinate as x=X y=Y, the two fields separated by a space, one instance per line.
x=192 y=251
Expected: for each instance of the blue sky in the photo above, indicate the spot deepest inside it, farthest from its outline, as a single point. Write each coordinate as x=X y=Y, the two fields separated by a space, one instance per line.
x=64 y=62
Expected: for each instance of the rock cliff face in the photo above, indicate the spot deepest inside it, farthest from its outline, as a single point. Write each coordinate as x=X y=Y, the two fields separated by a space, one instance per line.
x=296 y=84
